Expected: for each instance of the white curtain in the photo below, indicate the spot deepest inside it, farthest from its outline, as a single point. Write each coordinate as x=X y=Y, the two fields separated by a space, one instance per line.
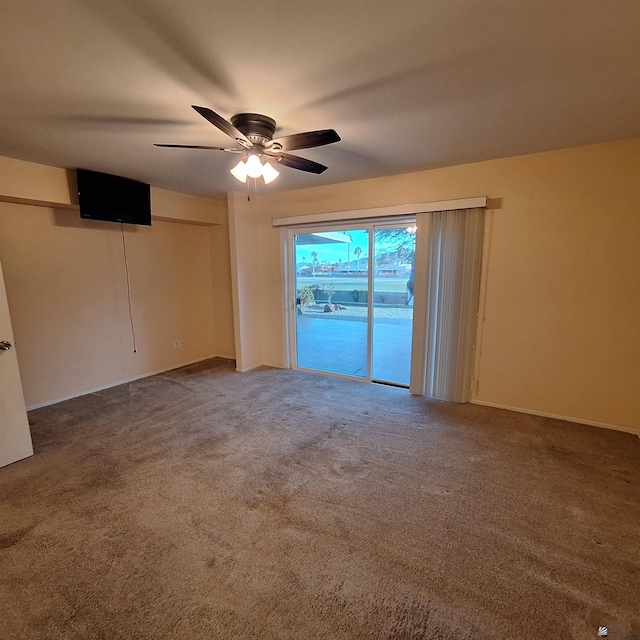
x=447 y=289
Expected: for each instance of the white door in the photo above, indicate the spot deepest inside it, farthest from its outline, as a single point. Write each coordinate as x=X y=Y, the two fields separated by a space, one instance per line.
x=15 y=437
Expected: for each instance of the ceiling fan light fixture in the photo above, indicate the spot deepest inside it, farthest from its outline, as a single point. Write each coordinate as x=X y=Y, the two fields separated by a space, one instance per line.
x=254 y=166
x=269 y=174
x=239 y=172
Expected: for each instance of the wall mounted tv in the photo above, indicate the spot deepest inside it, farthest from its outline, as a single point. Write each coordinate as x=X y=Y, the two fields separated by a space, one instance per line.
x=112 y=198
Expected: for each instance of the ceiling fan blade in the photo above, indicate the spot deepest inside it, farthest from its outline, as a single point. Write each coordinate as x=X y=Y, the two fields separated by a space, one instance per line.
x=295 y=162
x=304 y=140
x=198 y=146
x=224 y=126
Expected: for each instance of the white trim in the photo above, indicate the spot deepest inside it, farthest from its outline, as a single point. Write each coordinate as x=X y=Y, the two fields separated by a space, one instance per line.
x=261 y=364
x=289 y=346
x=544 y=414
x=253 y=367
x=290 y=356
x=383 y=212
x=370 y=273
x=48 y=403
x=287 y=290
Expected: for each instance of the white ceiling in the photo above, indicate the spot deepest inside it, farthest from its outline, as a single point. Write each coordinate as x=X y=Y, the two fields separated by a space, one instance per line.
x=407 y=84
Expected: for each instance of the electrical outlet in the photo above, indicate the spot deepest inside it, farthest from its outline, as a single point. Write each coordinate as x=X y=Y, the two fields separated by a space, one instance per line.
x=178 y=344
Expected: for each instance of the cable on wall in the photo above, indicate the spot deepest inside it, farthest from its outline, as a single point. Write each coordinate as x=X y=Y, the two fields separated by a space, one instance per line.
x=126 y=269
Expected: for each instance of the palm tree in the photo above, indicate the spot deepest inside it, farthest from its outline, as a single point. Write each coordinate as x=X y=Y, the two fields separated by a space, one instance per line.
x=314 y=262
x=357 y=251
x=348 y=250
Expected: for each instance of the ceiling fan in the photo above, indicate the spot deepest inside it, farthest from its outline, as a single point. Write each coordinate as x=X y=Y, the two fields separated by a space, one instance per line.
x=254 y=133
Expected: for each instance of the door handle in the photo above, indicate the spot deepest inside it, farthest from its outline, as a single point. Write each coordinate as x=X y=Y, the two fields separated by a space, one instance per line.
x=4 y=345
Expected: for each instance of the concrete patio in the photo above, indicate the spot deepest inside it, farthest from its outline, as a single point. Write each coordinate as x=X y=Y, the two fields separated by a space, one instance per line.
x=338 y=344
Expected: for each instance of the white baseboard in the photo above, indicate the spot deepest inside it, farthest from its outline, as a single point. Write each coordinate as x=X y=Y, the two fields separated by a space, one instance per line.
x=543 y=414
x=257 y=366
x=249 y=368
x=125 y=381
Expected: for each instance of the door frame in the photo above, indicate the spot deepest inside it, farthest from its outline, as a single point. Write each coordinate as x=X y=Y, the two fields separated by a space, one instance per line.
x=289 y=271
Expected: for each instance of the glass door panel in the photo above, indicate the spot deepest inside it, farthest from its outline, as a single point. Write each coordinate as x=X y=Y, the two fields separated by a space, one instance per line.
x=392 y=326
x=331 y=285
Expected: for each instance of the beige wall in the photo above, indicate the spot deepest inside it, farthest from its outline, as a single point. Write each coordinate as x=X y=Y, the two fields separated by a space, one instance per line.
x=560 y=316
x=222 y=297
x=68 y=298
x=561 y=329
x=22 y=180
x=245 y=272
x=43 y=185
x=67 y=291
x=180 y=207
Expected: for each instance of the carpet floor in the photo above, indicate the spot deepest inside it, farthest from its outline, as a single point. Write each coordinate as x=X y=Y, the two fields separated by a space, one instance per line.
x=203 y=503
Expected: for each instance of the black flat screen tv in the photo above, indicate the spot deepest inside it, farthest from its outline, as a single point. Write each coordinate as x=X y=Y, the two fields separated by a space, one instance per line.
x=113 y=199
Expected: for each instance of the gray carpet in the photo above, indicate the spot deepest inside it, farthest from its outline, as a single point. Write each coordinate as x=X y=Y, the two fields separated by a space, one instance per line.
x=203 y=503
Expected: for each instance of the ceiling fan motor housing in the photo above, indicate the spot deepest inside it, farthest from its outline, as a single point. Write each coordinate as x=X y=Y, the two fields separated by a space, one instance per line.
x=256 y=127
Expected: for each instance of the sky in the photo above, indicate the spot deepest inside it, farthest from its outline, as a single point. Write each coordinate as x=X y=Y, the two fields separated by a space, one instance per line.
x=337 y=251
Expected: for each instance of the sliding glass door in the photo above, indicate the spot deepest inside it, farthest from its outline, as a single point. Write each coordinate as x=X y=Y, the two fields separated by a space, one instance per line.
x=392 y=326
x=331 y=284
x=353 y=309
